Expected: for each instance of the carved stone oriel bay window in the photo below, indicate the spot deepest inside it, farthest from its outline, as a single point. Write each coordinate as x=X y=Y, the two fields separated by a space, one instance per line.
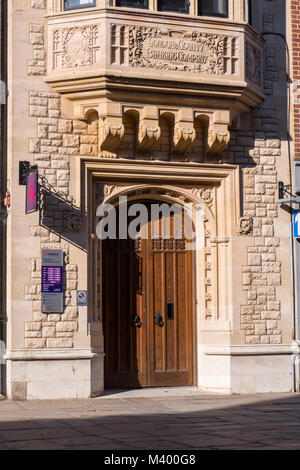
x=107 y=56
x=149 y=42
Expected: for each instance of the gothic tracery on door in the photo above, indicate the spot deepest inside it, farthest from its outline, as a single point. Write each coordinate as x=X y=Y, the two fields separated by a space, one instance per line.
x=148 y=311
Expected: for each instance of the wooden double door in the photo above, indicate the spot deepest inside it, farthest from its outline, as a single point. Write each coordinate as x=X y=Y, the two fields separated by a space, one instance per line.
x=148 y=311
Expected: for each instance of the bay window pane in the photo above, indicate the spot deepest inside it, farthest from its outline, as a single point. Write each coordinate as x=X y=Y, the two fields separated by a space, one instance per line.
x=250 y=12
x=181 y=6
x=132 y=3
x=213 y=8
x=71 y=4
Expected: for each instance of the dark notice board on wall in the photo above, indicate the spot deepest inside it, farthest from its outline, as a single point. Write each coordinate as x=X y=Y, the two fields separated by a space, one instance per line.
x=52 y=281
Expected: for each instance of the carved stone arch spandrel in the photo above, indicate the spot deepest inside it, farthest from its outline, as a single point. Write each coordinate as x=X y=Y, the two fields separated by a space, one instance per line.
x=197 y=195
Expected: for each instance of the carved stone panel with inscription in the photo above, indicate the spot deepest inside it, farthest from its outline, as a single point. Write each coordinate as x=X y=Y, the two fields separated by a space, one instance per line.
x=182 y=51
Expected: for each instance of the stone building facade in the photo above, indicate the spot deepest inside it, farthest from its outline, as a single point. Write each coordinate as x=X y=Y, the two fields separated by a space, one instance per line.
x=132 y=99
x=4 y=188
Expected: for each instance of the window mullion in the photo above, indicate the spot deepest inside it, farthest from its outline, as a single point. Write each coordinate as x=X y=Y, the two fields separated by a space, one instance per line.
x=193 y=7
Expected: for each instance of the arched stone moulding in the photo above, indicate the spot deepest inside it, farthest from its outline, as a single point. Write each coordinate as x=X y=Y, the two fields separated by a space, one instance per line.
x=208 y=185
x=206 y=251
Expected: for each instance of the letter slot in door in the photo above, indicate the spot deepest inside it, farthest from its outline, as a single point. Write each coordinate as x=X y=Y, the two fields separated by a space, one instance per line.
x=170 y=311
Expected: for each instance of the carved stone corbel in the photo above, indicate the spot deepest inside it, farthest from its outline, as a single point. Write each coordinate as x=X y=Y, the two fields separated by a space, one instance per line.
x=218 y=139
x=149 y=130
x=184 y=136
x=218 y=133
x=184 y=131
x=148 y=137
x=110 y=135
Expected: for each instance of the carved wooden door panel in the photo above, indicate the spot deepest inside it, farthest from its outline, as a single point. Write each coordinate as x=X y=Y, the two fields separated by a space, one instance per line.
x=148 y=311
x=124 y=320
x=170 y=311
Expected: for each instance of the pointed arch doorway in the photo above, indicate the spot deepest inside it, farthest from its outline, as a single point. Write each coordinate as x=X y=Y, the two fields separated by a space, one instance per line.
x=148 y=308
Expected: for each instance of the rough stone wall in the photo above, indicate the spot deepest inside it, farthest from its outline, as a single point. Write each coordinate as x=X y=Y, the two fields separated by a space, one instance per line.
x=261 y=276
x=37 y=65
x=256 y=149
x=57 y=141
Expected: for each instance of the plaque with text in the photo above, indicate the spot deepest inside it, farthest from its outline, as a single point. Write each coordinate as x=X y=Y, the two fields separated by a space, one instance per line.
x=52 y=258
x=52 y=281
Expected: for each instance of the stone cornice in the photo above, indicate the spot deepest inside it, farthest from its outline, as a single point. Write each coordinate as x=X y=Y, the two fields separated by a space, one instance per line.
x=252 y=350
x=223 y=94
x=51 y=354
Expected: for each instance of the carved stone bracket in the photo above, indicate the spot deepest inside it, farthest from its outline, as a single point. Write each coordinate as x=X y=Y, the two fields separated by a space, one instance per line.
x=218 y=139
x=147 y=138
x=183 y=139
x=184 y=131
x=110 y=135
x=149 y=130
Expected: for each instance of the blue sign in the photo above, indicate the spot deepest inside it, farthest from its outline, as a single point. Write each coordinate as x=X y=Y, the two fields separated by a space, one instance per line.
x=296 y=224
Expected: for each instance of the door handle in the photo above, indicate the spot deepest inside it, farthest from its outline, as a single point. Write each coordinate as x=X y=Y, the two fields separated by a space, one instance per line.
x=137 y=321
x=159 y=321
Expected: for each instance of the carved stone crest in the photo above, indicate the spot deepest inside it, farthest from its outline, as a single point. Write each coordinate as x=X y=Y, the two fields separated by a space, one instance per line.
x=75 y=47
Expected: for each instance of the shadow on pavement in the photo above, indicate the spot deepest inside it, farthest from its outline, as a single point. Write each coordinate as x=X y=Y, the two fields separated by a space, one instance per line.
x=168 y=423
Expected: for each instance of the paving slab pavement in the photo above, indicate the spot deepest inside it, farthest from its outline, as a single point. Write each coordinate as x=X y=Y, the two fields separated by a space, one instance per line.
x=153 y=419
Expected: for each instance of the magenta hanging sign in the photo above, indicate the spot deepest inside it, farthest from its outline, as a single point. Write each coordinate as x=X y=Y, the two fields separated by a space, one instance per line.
x=31 y=193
